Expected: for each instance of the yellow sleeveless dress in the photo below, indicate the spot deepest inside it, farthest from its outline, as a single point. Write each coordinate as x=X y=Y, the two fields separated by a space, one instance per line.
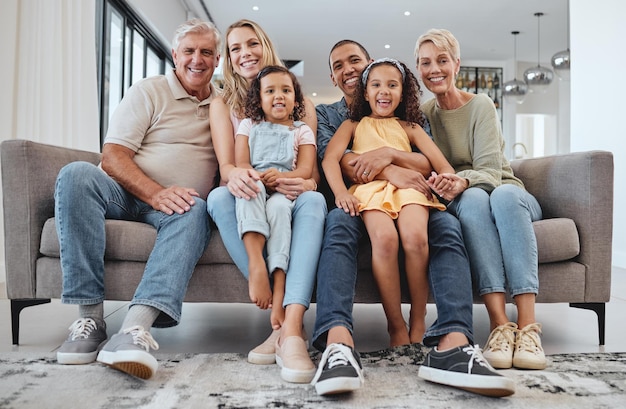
x=373 y=133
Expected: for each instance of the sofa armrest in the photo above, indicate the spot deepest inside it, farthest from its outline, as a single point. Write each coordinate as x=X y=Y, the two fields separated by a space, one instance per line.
x=29 y=171
x=578 y=186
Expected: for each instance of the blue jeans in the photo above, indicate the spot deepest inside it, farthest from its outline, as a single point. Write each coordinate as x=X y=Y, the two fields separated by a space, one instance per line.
x=499 y=237
x=85 y=196
x=269 y=215
x=307 y=229
x=449 y=276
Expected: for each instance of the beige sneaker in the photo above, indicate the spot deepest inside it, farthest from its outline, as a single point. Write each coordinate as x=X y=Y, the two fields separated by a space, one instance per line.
x=293 y=358
x=265 y=353
x=528 y=351
x=499 y=347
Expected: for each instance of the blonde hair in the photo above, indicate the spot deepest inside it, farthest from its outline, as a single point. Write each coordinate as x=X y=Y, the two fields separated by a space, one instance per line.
x=442 y=39
x=235 y=86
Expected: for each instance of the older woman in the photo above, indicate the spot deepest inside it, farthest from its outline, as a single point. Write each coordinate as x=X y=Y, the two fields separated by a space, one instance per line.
x=248 y=49
x=495 y=210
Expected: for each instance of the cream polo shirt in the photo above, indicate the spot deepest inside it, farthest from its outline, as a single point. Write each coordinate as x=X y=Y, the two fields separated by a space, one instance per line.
x=168 y=130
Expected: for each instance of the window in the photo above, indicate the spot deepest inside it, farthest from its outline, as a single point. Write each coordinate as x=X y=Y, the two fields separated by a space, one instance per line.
x=127 y=51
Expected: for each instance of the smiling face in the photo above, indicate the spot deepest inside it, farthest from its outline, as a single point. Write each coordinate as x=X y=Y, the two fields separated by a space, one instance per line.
x=196 y=59
x=437 y=68
x=245 y=51
x=278 y=98
x=383 y=90
x=347 y=62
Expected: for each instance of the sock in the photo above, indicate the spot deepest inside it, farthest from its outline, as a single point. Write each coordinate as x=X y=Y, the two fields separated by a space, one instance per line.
x=142 y=315
x=93 y=311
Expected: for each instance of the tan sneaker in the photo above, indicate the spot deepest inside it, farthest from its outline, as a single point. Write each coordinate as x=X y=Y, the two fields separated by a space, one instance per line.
x=264 y=354
x=499 y=347
x=528 y=351
x=293 y=358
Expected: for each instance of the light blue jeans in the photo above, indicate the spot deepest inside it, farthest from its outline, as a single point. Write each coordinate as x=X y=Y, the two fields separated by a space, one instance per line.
x=499 y=237
x=269 y=215
x=85 y=196
x=307 y=229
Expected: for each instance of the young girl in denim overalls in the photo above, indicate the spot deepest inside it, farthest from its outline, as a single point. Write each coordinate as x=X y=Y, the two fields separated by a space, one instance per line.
x=272 y=141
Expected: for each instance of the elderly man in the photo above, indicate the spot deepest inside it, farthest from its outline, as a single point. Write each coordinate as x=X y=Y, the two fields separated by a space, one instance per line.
x=157 y=166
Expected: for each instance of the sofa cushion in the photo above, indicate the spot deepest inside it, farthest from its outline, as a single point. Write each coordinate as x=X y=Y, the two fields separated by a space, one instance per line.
x=130 y=241
x=557 y=239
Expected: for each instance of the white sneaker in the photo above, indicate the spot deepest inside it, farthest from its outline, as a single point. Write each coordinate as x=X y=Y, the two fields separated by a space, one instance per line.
x=528 y=350
x=499 y=347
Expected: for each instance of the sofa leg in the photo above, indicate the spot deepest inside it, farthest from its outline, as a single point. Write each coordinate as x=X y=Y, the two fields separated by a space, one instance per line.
x=16 y=307
x=600 y=310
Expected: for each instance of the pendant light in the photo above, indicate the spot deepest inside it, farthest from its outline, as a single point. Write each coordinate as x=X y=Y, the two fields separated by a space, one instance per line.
x=515 y=90
x=561 y=60
x=538 y=78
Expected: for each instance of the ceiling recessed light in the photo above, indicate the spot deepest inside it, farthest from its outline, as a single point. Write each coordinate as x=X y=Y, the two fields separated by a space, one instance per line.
x=387 y=46
x=255 y=8
x=314 y=94
x=407 y=13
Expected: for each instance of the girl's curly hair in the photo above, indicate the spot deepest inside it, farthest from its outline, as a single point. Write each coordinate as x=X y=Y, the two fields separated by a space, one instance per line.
x=408 y=109
x=253 y=109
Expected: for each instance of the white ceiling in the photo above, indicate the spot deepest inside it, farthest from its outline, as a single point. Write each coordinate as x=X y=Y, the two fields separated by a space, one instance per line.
x=307 y=29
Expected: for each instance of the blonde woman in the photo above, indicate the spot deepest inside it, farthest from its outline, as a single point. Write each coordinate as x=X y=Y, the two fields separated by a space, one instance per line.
x=247 y=51
x=495 y=211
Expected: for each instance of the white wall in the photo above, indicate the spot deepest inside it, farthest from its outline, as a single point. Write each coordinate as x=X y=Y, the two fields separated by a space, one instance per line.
x=597 y=111
x=8 y=30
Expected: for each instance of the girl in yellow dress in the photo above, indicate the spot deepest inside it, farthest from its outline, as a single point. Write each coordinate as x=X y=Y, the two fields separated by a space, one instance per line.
x=385 y=114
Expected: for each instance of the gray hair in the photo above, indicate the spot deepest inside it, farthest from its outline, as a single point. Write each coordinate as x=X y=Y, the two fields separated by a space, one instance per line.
x=198 y=26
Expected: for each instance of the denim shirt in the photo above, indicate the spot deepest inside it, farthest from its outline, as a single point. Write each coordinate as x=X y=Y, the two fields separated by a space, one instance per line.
x=330 y=117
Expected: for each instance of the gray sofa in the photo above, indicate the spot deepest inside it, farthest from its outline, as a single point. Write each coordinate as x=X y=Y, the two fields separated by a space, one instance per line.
x=575 y=191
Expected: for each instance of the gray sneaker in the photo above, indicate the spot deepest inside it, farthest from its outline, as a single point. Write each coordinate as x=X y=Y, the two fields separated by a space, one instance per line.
x=129 y=351
x=82 y=345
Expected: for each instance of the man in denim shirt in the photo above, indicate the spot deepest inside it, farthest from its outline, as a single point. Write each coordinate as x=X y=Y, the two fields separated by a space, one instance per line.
x=453 y=360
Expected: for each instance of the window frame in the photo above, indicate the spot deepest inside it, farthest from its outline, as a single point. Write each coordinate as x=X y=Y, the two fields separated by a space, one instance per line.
x=132 y=26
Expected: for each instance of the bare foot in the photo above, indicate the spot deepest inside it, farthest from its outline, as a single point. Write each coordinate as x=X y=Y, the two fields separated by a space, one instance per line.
x=398 y=334
x=277 y=317
x=417 y=327
x=259 y=286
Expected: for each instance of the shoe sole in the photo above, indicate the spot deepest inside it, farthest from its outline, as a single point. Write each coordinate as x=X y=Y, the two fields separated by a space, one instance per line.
x=528 y=364
x=487 y=385
x=135 y=363
x=297 y=376
x=337 y=385
x=76 y=358
x=79 y=358
x=261 y=359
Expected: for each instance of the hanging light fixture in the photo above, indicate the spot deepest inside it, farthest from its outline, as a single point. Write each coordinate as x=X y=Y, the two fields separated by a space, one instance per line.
x=561 y=60
x=515 y=90
x=538 y=78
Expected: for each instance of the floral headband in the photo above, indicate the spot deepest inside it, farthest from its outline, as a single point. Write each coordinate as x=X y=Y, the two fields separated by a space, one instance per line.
x=396 y=63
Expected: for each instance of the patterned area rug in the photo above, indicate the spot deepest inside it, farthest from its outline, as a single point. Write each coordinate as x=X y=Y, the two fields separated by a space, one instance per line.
x=228 y=381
